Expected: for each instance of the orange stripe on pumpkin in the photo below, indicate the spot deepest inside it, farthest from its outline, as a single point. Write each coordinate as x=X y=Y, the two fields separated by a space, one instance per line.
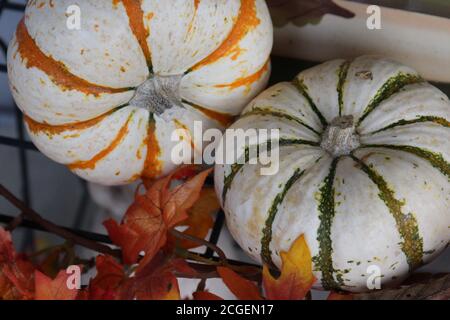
x=91 y=163
x=184 y=128
x=37 y=127
x=33 y=57
x=136 y=20
x=152 y=166
x=246 y=81
x=246 y=21
x=222 y=118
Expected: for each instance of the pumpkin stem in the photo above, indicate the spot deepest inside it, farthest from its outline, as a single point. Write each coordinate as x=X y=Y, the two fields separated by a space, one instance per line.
x=340 y=137
x=158 y=94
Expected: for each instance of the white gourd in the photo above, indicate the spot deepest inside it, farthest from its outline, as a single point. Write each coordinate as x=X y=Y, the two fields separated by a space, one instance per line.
x=104 y=98
x=364 y=172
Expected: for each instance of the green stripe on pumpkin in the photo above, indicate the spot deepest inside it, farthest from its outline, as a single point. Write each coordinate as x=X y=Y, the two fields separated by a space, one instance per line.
x=389 y=88
x=236 y=167
x=303 y=89
x=434 y=158
x=266 y=253
x=412 y=242
x=277 y=114
x=438 y=120
x=323 y=260
x=342 y=76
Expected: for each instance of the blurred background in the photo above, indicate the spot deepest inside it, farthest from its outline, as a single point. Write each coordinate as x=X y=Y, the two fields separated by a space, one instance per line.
x=54 y=192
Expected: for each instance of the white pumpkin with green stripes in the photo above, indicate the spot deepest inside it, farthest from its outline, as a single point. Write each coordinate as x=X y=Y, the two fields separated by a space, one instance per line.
x=364 y=171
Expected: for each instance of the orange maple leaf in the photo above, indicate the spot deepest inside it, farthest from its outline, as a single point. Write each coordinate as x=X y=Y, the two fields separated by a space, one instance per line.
x=296 y=277
x=47 y=288
x=147 y=220
x=242 y=288
x=156 y=280
x=200 y=219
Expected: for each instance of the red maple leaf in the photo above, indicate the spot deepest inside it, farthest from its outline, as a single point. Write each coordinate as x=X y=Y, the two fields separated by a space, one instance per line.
x=16 y=273
x=146 y=222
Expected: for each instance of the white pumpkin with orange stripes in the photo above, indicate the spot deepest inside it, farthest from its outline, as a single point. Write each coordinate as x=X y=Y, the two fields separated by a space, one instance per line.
x=105 y=98
x=364 y=173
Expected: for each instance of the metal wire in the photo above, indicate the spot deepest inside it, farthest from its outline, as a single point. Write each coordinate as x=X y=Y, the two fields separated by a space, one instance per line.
x=23 y=146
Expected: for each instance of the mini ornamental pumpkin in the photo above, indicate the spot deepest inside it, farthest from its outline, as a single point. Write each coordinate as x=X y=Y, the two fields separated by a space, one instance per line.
x=103 y=84
x=364 y=169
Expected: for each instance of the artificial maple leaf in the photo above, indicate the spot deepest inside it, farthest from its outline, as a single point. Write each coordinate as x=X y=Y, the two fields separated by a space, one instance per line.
x=200 y=219
x=156 y=280
x=47 y=288
x=296 y=277
x=16 y=273
x=205 y=295
x=146 y=222
x=105 y=285
x=242 y=288
x=109 y=273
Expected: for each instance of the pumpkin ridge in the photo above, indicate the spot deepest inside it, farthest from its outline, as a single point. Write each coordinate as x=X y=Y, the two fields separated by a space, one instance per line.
x=412 y=244
x=303 y=89
x=324 y=260
x=152 y=166
x=278 y=114
x=438 y=120
x=246 y=21
x=136 y=21
x=266 y=253
x=49 y=129
x=435 y=159
x=91 y=163
x=32 y=56
x=223 y=118
x=248 y=80
x=236 y=167
x=393 y=85
x=342 y=76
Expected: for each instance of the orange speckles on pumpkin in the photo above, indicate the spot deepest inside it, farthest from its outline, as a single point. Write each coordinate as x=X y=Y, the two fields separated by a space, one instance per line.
x=246 y=81
x=152 y=166
x=236 y=52
x=246 y=21
x=91 y=163
x=32 y=56
x=191 y=23
x=149 y=16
